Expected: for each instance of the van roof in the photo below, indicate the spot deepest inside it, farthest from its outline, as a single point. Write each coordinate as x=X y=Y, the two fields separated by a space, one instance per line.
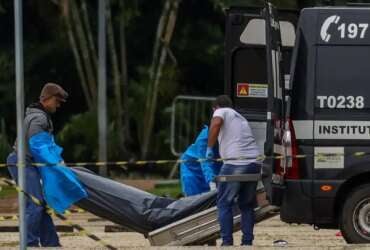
x=329 y=25
x=338 y=8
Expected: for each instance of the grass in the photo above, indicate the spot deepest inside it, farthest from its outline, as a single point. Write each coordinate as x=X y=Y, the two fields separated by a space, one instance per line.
x=167 y=190
x=6 y=192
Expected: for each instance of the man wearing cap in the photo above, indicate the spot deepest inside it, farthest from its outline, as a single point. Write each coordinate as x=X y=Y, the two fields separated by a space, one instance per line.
x=40 y=227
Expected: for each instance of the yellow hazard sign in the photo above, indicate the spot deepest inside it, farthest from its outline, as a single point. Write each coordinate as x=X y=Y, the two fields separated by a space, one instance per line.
x=242 y=89
x=255 y=90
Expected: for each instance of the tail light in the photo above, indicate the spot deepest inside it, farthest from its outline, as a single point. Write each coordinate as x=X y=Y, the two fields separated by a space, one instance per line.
x=288 y=165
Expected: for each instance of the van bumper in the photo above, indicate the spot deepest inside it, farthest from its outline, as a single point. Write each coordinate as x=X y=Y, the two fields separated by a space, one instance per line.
x=304 y=202
x=296 y=204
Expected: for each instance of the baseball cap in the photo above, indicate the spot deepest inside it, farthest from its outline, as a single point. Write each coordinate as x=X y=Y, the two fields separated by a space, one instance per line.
x=52 y=89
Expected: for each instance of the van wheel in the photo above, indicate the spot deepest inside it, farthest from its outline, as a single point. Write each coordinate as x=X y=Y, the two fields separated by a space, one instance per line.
x=355 y=218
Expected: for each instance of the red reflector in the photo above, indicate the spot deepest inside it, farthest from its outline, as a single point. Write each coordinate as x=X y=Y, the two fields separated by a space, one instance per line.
x=326 y=188
x=292 y=165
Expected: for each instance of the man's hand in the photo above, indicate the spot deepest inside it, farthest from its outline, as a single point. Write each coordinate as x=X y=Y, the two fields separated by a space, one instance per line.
x=212 y=185
x=209 y=153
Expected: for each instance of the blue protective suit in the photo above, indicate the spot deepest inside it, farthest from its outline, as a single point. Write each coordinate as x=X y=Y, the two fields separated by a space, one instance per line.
x=61 y=186
x=195 y=176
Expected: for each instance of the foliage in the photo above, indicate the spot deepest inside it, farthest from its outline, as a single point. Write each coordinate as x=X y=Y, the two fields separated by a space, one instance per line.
x=80 y=141
x=7 y=91
x=5 y=147
x=222 y=4
x=78 y=137
x=196 y=68
x=167 y=90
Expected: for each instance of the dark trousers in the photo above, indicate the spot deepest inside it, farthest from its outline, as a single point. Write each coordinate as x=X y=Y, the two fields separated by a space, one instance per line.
x=245 y=192
x=40 y=227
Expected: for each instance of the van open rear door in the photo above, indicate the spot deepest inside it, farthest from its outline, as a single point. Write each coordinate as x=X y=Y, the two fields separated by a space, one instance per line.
x=256 y=93
x=275 y=106
x=245 y=62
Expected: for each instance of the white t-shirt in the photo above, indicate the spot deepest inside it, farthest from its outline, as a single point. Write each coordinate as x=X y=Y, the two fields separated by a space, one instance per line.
x=235 y=138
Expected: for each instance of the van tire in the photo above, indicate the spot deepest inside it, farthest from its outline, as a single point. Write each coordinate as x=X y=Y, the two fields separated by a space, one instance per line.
x=354 y=221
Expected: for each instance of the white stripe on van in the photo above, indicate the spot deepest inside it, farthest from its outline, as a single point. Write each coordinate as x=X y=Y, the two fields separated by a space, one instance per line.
x=333 y=130
x=303 y=129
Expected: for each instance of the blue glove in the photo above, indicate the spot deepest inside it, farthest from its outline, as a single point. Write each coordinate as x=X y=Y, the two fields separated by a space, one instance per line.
x=209 y=153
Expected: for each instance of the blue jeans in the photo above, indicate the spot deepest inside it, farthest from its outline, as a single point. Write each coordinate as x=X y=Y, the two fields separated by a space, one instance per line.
x=40 y=227
x=246 y=194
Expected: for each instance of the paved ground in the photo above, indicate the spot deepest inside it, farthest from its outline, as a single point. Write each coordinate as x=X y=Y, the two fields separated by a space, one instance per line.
x=297 y=236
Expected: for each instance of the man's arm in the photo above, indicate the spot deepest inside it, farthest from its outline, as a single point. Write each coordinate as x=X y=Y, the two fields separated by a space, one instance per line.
x=214 y=130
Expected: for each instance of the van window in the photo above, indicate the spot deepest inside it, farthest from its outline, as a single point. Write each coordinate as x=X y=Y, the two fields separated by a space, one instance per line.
x=249 y=77
x=342 y=79
x=254 y=33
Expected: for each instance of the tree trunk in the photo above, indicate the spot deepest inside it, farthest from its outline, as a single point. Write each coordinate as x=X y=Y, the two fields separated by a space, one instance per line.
x=88 y=63
x=116 y=79
x=77 y=56
x=124 y=74
x=85 y=16
x=158 y=41
x=153 y=104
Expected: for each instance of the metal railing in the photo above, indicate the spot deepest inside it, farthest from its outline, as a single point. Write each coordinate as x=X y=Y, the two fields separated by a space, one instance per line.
x=189 y=114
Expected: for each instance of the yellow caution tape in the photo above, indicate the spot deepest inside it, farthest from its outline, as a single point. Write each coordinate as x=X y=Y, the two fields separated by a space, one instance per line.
x=358 y=154
x=51 y=211
x=123 y=164
x=8 y=217
x=16 y=217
